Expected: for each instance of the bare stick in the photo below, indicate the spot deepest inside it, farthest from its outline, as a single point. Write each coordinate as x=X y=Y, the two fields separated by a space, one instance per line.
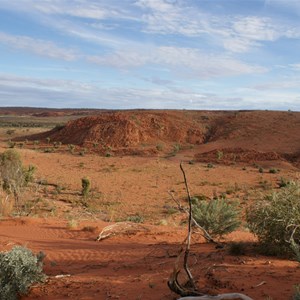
x=188 y=245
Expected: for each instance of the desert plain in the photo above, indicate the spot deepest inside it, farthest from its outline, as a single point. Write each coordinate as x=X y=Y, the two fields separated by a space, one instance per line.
x=132 y=160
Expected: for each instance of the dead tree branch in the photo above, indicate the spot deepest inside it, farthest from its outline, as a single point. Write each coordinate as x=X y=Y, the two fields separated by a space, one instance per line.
x=188 y=244
x=173 y=283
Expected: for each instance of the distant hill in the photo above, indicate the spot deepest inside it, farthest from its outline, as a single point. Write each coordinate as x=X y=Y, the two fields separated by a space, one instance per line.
x=234 y=135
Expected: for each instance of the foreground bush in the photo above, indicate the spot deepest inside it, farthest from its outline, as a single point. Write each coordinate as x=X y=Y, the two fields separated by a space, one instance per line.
x=19 y=268
x=218 y=216
x=275 y=220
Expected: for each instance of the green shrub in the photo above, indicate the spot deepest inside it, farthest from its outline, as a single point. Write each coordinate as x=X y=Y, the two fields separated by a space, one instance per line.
x=220 y=155
x=275 y=220
x=86 y=186
x=273 y=171
x=283 y=182
x=159 y=147
x=29 y=173
x=11 y=144
x=19 y=268
x=217 y=216
x=71 y=148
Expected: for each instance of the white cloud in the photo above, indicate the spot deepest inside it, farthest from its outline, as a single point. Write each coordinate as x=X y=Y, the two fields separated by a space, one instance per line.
x=283 y=84
x=37 y=46
x=236 y=33
x=182 y=61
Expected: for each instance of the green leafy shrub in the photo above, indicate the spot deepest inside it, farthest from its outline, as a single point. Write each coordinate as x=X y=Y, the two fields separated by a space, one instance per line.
x=217 y=216
x=275 y=220
x=19 y=268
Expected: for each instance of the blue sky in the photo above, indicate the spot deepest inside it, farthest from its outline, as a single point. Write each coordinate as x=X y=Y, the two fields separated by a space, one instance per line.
x=121 y=54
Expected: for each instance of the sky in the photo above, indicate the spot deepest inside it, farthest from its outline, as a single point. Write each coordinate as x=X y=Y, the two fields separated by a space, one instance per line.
x=164 y=54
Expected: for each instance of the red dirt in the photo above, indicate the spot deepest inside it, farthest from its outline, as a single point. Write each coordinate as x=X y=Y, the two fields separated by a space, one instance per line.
x=137 y=266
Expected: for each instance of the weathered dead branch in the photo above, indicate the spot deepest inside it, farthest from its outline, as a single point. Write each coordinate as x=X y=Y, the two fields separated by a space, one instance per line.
x=120 y=228
x=173 y=283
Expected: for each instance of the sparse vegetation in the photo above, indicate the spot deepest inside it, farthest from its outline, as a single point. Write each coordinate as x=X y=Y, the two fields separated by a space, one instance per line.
x=275 y=220
x=19 y=268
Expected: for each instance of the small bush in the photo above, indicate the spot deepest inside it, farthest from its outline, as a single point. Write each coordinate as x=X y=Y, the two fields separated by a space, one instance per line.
x=71 y=148
x=86 y=186
x=135 y=219
x=159 y=147
x=72 y=224
x=11 y=144
x=283 y=182
x=19 y=268
x=275 y=220
x=273 y=171
x=220 y=155
x=217 y=216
